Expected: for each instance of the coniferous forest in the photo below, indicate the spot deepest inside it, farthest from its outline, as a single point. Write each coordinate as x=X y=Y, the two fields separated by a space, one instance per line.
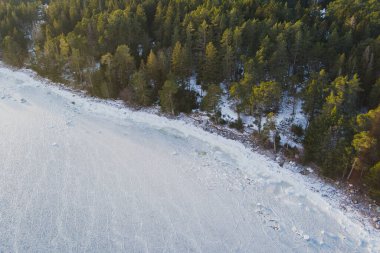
x=323 y=52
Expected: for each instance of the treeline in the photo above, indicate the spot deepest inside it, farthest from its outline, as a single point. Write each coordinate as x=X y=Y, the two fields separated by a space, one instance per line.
x=16 y=21
x=326 y=53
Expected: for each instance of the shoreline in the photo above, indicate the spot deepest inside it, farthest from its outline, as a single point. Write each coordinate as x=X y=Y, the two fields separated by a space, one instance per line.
x=341 y=195
x=350 y=198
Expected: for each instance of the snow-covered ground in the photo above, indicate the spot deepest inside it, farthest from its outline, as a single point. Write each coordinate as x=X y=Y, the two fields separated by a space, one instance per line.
x=284 y=118
x=82 y=175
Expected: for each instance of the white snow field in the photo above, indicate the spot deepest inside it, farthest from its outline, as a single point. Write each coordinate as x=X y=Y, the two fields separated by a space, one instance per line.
x=79 y=174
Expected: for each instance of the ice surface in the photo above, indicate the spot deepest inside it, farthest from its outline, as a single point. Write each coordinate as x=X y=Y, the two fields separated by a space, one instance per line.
x=92 y=176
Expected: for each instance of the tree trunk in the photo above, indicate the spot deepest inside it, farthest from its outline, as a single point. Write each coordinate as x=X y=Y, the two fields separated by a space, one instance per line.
x=352 y=169
x=259 y=124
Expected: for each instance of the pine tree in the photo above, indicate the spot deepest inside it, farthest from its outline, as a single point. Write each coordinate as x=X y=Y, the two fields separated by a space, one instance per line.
x=167 y=24
x=155 y=72
x=260 y=63
x=141 y=88
x=240 y=92
x=12 y=52
x=108 y=87
x=157 y=23
x=211 y=67
x=265 y=98
x=123 y=65
x=278 y=62
x=64 y=48
x=153 y=67
x=167 y=95
x=210 y=102
x=179 y=62
x=315 y=94
x=270 y=130
x=374 y=97
x=229 y=56
x=366 y=143
x=51 y=63
x=76 y=63
x=328 y=137
x=164 y=62
x=373 y=179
